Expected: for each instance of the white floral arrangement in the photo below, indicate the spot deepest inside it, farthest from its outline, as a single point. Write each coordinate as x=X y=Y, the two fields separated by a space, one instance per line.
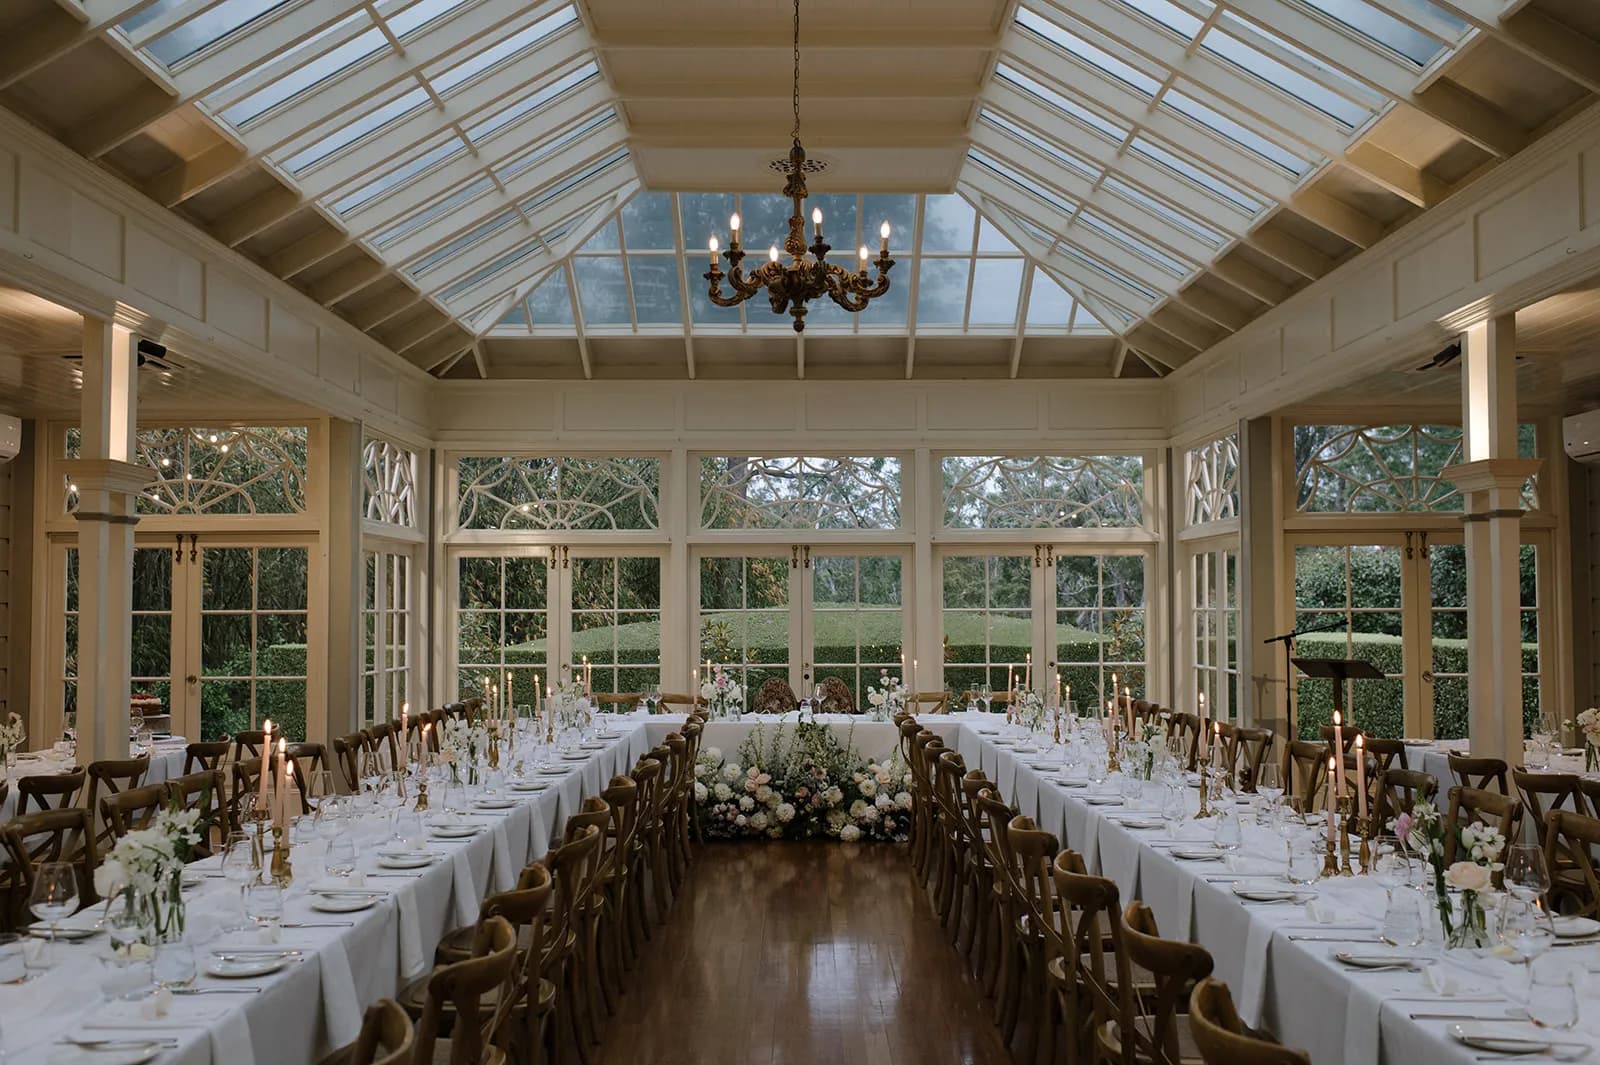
x=888 y=700
x=723 y=695
x=1589 y=725
x=463 y=742
x=801 y=782
x=149 y=863
x=1424 y=831
x=1030 y=710
x=13 y=733
x=567 y=703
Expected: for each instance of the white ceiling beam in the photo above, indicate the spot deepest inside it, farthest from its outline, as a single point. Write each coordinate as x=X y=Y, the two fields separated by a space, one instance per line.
x=1168 y=355
x=669 y=34
x=1249 y=280
x=1178 y=326
x=373 y=313
x=683 y=287
x=1214 y=307
x=482 y=359
x=1549 y=42
x=1297 y=255
x=577 y=320
x=182 y=180
x=1119 y=356
x=56 y=31
x=1337 y=217
x=449 y=364
x=1022 y=318
x=346 y=281
x=914 y=283
x=750 y=90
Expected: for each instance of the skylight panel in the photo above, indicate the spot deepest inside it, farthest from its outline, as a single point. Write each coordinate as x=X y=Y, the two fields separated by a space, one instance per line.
x=496 y=266
x=307 y=76
x=942 y=291
x=765 y=218
x=1384 y=29
x=205 y=29
x=485 y=128
x=1093 y=119
x=1198 y=175
x=1157 y=207
x=404 y=23
x=453 y=247
x=1140 y=247
x=550 y=303
x=991 y=240
x=1281 y=76
x=603 y=239
x=351 y=132
x=1049 y=305
x=553 y=147
x=1169 y=15
x=140 y=19
x=705 y=215
x=839 y=228
x=451 y=146
x=996 y=287
x=900 y=211
x=1082 y=167
x=647 y=222
x=1239 y=134
x=701 y=310
x=656 y=297
x=1109 y=271
x=446 y=80
x=437 y=209
x=1104 y=61
x=602 y=290
x=533 y=203
x=1024 y=182
x=515 y=318
x=947 y=224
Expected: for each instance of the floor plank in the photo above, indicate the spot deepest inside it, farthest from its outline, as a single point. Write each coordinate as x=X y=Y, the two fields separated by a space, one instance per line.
x=790 y=953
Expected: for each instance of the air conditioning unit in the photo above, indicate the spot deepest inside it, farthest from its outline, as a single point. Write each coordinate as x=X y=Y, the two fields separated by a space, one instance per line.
x=1581 y=435
x=10 y=437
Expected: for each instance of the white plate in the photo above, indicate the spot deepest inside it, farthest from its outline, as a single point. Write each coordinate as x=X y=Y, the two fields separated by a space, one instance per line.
x=1139 y=822
x=987 y=731
x=554 y=770
x=1375 y=961
x=1103 y=800
x=454 y=831
x=1196 y=854
x=1574 y=927
x=574 y=757
x=495 y=804
x=529 y=785
x=404 y=860
x=244 y=969
x=1265 y=894
x=1042 y=767
x=1482 y=1037
x=129 y=1051
x=594 y=745
x=344 y=903
x=1067 y=782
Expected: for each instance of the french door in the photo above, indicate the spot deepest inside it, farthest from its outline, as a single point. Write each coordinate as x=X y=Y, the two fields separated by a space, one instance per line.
x=219 y=630
x=525 y=614
x=803 y=613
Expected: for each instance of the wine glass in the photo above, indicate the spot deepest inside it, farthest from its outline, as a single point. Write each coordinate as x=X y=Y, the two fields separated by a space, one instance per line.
x=239 y=869
x=54 y=894
x=1526 y=876
x=986 y=693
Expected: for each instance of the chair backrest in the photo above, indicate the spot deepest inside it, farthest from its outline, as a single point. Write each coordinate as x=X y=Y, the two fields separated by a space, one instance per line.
x=1387 y=753
x=774 y=697
x=837 y=698
x=678 y=703
x=49 y=836
x=1095 y=945
x=462 y=985
x=132 y=808
x=203 y=791
x=384 y=744
x=618 y=702
x=1569 y=843
x=1547 y=791
x=622 y=794
x=996 y=841
x=306 y=758
x=247 y=743
x=1248 y=749
x=1398 y=790
x=1347 y=735
x=50 y=791
x=1034 y=852
x=1484 y=807
x=1174 y=969
x=928 y=702
x=1187 y=726
x=347 y=753
x=1305 y=761
x=386 y=1036
x=1222 y=1038
x=1480 y=773
x=569 y=865
x=109 y=776
x=246 y=785
x=207 y=756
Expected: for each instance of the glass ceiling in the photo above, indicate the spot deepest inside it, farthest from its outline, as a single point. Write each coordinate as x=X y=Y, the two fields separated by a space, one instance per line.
x=641 y=272
x=473 y=146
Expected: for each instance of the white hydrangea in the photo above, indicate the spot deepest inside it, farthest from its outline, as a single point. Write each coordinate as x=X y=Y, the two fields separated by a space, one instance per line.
x=885 y=801
x=849 y=834
x=785 y=812
x=856 y=808
x=764 y=794
x=869 y=815
x=869 y=788
x=722 y=792
x=746 y=803
x=903 y=800
x=833 y=796
x=731 y=773
x=758 y=822
x=700 y=792
x=712 y=754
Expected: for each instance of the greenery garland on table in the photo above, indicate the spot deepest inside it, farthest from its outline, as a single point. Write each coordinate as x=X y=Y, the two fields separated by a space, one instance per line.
x=802 y=782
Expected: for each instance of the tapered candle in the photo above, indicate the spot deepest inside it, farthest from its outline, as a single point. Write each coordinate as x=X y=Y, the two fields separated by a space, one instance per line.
x=405 y=733
x=1216 y=740
x=1361 y=775
x=1127 y=700
x=283 y=799
x=511 y=700
x=1338 y=751
x=1331 y=763
x=1027 y=677
x=266 y=756
x=912 y=687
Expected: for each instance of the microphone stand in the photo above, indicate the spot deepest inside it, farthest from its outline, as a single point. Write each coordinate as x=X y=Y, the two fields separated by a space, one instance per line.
x=1287 y=639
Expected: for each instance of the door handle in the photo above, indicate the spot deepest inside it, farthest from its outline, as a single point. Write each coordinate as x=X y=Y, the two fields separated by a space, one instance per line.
x=192 y=679
x=1427 y=675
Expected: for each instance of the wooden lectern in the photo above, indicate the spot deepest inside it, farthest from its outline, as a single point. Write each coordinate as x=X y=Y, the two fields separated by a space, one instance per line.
x=1338 y=670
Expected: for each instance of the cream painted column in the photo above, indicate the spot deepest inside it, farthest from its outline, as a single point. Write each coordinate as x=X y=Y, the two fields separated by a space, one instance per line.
x=108 y=483
x=926 y=513
x=1491 y=481
x=1262 y=685
x=344 y=650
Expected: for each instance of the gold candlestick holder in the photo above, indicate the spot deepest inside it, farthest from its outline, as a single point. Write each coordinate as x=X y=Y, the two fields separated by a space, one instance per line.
x=282 y=870
x=258 y=843
x=422 y=791
x=1114 y=749
x=1058 y=727
x=1364 y=828
x=1345 y=817
x=1330 y=860
x=494 y=747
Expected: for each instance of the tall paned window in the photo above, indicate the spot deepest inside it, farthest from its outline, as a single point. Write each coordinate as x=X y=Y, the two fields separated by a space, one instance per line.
x=745 y=617
x=1214 y=625
x=988 y=619
x=386 y=679
x=502 y=621
x=1100 y=623
x=616 y=622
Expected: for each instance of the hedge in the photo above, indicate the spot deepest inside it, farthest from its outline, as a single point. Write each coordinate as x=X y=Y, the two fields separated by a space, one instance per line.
x=225 y=705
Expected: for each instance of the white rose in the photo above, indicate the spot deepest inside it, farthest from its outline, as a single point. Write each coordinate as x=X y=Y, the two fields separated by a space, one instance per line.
x=714 y=754
x=731 y=773
x=869 y=788
x=885 y=800
x=1467 y=876
x=741 y=820
x=834 y=796
x=785 y=812
x=746 y=803
x=722 y=792
x=856 y=808
x=759 y=822
x=869 y=815
x=700 y=792
x=763 y=794
x=903 y=800
x=876 y=698
x=849 y=833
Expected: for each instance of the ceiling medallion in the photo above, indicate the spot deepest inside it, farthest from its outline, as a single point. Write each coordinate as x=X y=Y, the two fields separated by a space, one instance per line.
x=807 y=275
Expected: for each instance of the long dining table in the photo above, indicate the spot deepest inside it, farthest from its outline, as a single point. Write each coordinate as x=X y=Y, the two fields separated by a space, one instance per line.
x=1277 y=957
x=346 y=960
x=166 y=763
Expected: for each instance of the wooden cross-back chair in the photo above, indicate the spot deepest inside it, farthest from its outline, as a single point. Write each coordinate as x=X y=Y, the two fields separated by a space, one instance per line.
x=30 y=840
x=458 y=990
x=617 y=702
x=245 y=786
x=928 y=702
x=110 y=776
x=1305 y=770
x=1187 y=727
x=774 y=697
x=1569 y=843
x=1247 y=749
x=1005 y=906
x=386 y=1038
x=1222 y=1038
x=1347 y=734
x=209 y=755
x=1398 y=790
x=203 y=791
x=1387 y=753
x=131 y=809
x=247 y=743
x=1484 y=807
x=348 y=752
x=50 y=791
x=1039 y=928
x=1542 y=792
x=1101 y=973
x=1174 y=968
x=1481 y=773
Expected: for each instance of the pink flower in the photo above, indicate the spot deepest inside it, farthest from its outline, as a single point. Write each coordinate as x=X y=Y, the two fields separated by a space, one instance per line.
x=1402 y=826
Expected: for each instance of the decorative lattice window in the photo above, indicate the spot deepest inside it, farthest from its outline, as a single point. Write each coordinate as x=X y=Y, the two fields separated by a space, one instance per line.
x=1386 y=469
x=389 y=483
x=1213 y=480
x=218 y=471
x=800 y=492
x=566 y=493
x=1043 y=492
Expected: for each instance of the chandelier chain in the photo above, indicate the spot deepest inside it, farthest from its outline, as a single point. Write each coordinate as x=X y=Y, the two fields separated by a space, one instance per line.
x=795 y=133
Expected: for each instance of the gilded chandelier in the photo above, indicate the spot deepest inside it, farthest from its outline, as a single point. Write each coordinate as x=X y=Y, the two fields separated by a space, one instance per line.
x=806 y=275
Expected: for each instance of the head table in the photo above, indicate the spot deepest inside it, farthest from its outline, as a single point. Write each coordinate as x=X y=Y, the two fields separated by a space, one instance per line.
x=166 y=763
x=347 y=960
x=1278 y=958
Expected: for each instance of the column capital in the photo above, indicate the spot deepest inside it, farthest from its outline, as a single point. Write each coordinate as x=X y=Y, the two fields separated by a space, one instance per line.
x=1488 y=474
x=108 y=475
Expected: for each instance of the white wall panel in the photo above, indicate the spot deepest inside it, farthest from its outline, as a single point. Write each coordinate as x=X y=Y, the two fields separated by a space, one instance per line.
x=1541 y=213
x=1364 y=305
x=292 y=338
x=161 y=271
x=236 y=308
x=1264 y=362
x=57 y=216
x=978 y=406
x=339 y=365
x=846 y=409
x=1307 y=336
x=378 y=385
x=8 y=189
x=724 y=408
x=1434 y=270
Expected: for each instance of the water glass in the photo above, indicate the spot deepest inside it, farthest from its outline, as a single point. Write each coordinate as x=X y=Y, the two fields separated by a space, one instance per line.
x=1553 y=991
x=1228 y=835
x=1174 y=805
x=1526 y=876
x=1402 y=920
x=13 y=963
x=1305 y=863
x=174 y=964
x=55 y=893
x=264 y=906
x=341 y=858
x=239 y=869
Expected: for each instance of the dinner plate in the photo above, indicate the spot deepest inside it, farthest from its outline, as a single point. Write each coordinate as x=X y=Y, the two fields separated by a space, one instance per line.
x=1375 y=961
x=495 y=804
x=129 y=1051
x=404 y=859
x=1196 y=854
x=1574 y=927
x=594 y=745
x=1265 y=894
x=344 y=903
x=244 y=968
x=554 y=770
x=1068 y=782
x=1103 y=800
x=1042 y=767
x=66 y=933
x=1024 y=748
x=1139 y=822
x=455 y=831
x=987 y=731
x=575 y=757
x=529 y=785
x=1481 y=1037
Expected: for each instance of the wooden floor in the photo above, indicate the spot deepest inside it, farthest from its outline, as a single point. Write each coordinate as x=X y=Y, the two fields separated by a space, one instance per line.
x=815 y=953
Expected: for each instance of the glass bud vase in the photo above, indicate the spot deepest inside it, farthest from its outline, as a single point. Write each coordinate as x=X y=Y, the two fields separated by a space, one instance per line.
x=1470 y=927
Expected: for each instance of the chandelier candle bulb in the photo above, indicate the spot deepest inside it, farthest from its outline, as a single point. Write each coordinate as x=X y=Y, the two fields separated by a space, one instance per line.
x=713 y=253
x=883 y=232
x=733 y=226
x=864 y=254
x=816 y=223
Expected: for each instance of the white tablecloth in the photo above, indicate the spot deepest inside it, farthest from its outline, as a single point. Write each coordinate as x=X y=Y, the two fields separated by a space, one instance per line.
x=166 y=762
x=1295 y=988
x=315 y=1005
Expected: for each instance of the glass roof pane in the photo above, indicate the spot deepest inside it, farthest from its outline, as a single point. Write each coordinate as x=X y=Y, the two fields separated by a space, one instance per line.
x=548 y=148
x=765 y=221
x=889 y=311
x=1226 y=127
x=942 y=291
x=826 y=316
x=705 y=214
x=493 y=267
x=347 y=135
x=206 y=28
x=478 y=131
x=1024 y=182
x=1049 y=306
x=434 y=210
x=140 y=19
x=1385 y=29
x=602 y=290
x=701 y=310
x=900 y=211
x=656 y=298
x=306 y=76
x=533 y=203
x=1169 y=15
x=515 y=318
x=647 y=222
x=549 y=303
x=996 y=287
x=404 y=23
x=1093 y=119
x=1200 y=176
x=1095 y=57
x=991 y=239
x=1143 y=248
x=450 y=146
x=1155 y=206
x=446 y=80
x=1280 y=76
x=604 y=238
x=483 y=229
x=1082 y=167
x=839 y=226
x=947 y=225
